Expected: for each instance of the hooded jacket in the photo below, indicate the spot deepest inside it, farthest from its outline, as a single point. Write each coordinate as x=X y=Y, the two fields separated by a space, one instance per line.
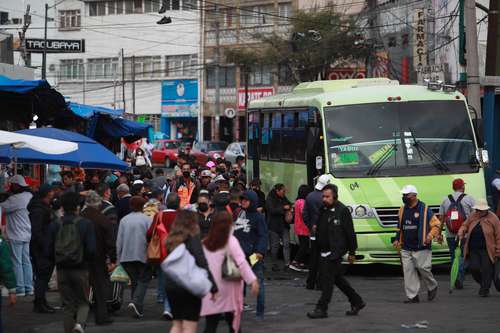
x=312 y=208
x=276 y=213
x=250 y=227
x=42 y=240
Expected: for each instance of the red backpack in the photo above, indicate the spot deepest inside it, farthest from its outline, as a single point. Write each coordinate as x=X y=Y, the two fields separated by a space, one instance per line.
x=455 y=215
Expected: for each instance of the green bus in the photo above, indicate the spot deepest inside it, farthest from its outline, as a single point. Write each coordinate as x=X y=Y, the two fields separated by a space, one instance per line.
x=373 y=136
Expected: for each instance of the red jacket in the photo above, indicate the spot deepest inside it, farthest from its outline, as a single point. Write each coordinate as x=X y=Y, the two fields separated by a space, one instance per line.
x=300 y=227
x=162 y=222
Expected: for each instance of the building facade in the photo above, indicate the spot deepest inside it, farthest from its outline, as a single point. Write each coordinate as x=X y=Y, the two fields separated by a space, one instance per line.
x=128 y=56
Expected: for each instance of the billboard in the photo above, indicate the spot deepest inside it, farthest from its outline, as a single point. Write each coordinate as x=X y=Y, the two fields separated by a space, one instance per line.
x=37 y=45
x=253 y=94
x=179 y=98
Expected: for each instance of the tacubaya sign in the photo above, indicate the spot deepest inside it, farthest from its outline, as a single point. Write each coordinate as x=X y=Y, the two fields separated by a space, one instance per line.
x=37 y=45
x=253 y=94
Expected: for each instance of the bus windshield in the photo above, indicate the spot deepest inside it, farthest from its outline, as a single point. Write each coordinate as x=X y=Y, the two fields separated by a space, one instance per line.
x=400 y=139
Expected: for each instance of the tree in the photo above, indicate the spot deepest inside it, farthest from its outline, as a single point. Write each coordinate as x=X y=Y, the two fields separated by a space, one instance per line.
x=317 y=40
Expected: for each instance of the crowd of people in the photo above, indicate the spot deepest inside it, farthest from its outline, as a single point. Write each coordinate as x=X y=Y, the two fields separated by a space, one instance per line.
x=105 y=231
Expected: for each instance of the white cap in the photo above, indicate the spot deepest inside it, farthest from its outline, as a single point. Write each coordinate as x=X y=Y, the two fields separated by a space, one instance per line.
x=323 y=180
x=19 y=180
x=137 y=181
x=481 y=204
x=409 y=189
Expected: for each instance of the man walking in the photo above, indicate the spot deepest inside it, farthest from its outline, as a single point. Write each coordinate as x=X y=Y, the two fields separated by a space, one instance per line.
x=105 y=252
x=310 y=215
x=42 y=245
x=417 y=228
x=250 y=229
x=455 y=209
x=75 y=248
x=336 y=237
x=19 y=233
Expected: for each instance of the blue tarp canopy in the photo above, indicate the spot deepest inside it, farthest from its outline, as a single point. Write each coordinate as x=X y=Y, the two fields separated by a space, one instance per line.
x=90 y=154
x=120 y=127
x=21 y=86
x=88 y=111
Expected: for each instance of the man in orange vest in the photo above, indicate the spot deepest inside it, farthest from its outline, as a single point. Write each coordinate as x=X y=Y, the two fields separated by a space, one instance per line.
x=187 y=187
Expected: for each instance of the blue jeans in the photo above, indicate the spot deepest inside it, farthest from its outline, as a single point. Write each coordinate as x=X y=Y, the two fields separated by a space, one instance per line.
x=452 y=245
x=22 y=266
x=258 y=270
x=162 y=291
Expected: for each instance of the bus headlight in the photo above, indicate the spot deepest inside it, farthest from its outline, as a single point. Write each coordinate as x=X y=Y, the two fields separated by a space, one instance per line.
x=361 y=211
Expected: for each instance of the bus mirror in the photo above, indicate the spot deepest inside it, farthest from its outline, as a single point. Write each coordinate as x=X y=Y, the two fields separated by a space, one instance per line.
x=482 y=156
x=319 y=162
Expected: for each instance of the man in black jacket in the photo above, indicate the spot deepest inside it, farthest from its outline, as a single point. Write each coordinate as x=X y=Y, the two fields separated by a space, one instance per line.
x=41 y=246
x=335 y=237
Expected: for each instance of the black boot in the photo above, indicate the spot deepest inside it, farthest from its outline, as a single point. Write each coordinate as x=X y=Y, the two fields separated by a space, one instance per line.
x=40 y=307
x=317 y=314
x=355 y=309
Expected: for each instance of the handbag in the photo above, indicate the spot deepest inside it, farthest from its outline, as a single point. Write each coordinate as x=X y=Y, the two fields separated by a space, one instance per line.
x=119 y=275
x=230 y=271
x=181 y=267
x=496 y=279
x=289 y=216
x=154 y=246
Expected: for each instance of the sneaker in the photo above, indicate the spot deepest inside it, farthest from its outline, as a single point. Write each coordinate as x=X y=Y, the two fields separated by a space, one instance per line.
x=431 y=294
x=355 y=309
x=167 y=316
x=165 y=20
x=135 y=312
x=78 y=329
x=295 y=266
x=20 y=294
x=247 y=307
x=415 y=299
x=163 y=8
x=30 y=293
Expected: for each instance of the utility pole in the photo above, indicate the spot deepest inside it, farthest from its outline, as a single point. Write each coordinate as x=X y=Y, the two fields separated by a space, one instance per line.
x=217 y=60
x=84 y=78
x=133 y=84
x=473 y=93
x=372 y=18
x=44 y=55
x=22 y=37
x=123 y=80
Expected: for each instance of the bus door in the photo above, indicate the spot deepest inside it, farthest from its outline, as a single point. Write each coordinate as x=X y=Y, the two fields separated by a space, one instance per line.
x=315 y=154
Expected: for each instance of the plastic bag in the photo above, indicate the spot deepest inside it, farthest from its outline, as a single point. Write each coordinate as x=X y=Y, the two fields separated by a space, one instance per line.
x=119 y=275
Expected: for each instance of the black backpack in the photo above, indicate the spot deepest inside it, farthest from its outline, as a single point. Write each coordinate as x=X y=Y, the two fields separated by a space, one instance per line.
x=68 y=244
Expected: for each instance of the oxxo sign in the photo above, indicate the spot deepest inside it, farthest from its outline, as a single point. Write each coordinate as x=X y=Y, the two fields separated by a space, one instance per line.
x=419 y=40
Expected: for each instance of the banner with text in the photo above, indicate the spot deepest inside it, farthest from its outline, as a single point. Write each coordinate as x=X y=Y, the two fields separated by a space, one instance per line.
x=179 y=98
x=253 y=94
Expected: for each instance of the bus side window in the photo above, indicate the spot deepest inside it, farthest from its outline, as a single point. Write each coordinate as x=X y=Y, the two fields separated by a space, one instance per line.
x=275 y=137
x=252 y=134
x=300 y=142
x=264 y=144
x=288 y=136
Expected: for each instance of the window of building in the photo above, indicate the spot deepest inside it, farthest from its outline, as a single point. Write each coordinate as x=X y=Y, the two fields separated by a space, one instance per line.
x=145 y=67
x=256 y=15
x=102 y=68
x=129 y=6
x=4 y=18
x=227 y=77
x=120 y=7
x=71 y=69
x=17 y=20
x=176 y=4
x=260 y=75
x=138 y=6
x=111 y=7
x=285 y=11
x=285 y=76
x=181 y=65
x=69 y=19
x=189 y=4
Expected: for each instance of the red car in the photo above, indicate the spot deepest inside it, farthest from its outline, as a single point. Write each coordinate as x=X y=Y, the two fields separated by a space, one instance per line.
x=208 y=151
x=165 y=152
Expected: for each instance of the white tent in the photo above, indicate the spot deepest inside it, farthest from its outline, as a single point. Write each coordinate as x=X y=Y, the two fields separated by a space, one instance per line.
x=43 y=145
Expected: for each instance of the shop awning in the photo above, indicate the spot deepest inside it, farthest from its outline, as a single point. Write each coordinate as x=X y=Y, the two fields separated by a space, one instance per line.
x=21 y=86
x=121 y=128
x=88 y=111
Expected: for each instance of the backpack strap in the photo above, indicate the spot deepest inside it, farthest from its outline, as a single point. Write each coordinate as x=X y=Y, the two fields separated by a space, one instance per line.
x=450 y=197
x=461 y=197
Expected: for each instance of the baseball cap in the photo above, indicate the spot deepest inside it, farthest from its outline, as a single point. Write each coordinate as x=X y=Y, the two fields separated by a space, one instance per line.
x=137 y=181
x=458 y=183
x=481 y=204
x=206 y=173
x=210 y=164
x=19 y=180
x=323 y=180
x=407 y=189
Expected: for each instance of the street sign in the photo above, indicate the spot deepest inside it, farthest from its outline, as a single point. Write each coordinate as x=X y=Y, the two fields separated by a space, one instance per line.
x=253 y=94
x=230 y=113
x=37 y=45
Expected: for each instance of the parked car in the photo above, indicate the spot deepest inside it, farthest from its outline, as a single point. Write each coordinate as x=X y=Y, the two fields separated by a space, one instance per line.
x=165 y=152
x=208 y=151
x=234 y=150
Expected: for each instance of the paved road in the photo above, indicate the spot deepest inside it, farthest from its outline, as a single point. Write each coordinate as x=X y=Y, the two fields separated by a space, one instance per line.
x=288 y=301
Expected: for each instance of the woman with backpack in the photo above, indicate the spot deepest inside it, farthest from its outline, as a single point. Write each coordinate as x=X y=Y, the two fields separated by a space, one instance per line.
x=185 y=305
x=141 y=161
x=278 y=210
x=220 y=246
x=301 y=230
x=481 y=233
